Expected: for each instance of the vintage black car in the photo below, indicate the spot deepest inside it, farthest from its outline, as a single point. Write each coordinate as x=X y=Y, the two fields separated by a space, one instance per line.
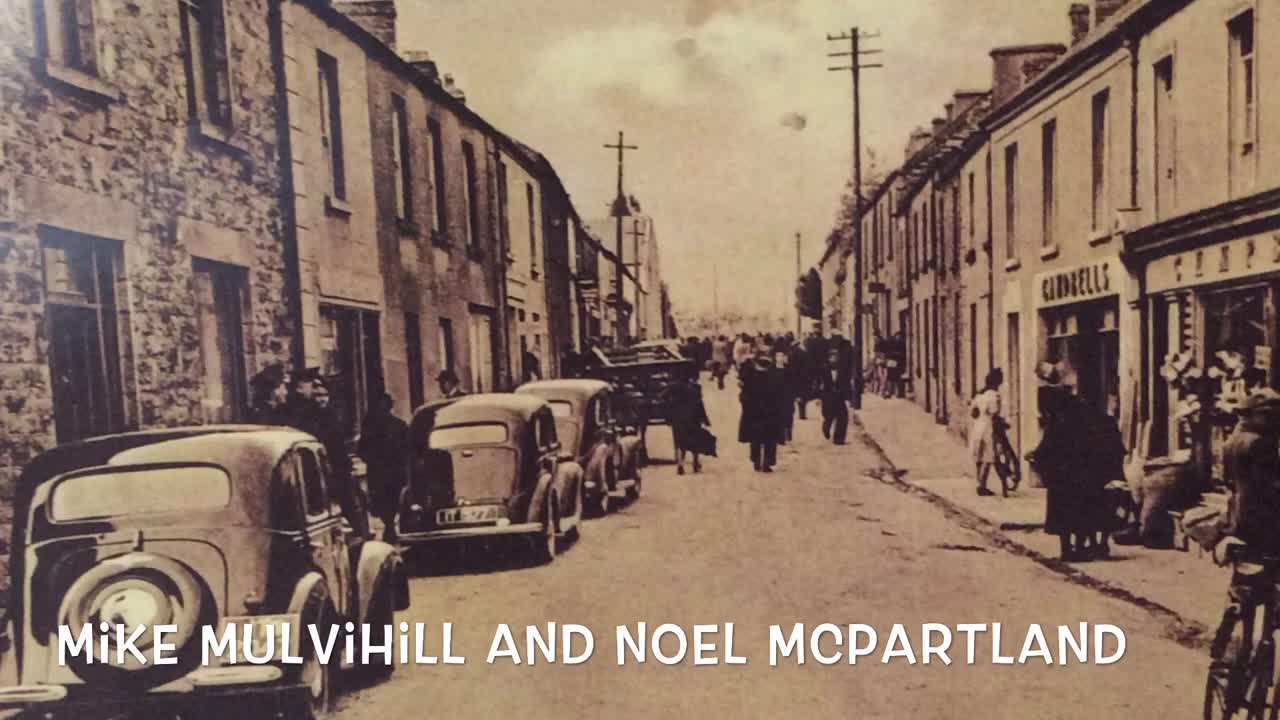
x=491 y=466
x=587 y=424
x=199 y=528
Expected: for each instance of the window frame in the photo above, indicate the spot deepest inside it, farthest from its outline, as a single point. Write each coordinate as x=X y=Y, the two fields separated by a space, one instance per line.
x=330 y=102
x=470 y=178
x=533 y=231
x=1048 y=185
x=1100 y=151
x=1011 y=201
x=401 y=158
x=1242 y=101
x=207 y=63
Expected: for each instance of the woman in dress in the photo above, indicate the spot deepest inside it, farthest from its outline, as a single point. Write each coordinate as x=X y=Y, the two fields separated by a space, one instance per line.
x=985 y=409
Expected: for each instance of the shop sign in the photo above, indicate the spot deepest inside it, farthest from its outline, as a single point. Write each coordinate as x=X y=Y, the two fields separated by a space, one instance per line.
x=1225 y=261
x=1098 y=279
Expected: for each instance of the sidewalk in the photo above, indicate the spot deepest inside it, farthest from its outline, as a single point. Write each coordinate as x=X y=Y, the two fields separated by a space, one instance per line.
x=929 y=458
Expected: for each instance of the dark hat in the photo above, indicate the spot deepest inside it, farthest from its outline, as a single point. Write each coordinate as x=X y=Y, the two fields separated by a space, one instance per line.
x=311 y=374
x=269 y=377
x=1264 y=400
x=447 y=375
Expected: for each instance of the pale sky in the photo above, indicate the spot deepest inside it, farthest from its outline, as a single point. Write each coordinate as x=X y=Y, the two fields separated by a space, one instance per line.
x=744 y=136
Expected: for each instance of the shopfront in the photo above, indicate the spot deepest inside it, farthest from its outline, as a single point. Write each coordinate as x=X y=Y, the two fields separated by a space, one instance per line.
x=1213 y=330
x=1079 y=313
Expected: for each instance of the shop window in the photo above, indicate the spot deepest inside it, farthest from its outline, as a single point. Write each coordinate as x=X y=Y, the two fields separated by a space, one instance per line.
x=351 y=360
x=1084 y=344
x=220 y=300
x=1237 y=356
x=1174 y=366
x=83 y=317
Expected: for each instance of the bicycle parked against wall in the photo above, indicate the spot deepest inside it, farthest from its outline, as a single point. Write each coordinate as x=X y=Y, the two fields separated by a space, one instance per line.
x=1242 y=665
x=1007 y=465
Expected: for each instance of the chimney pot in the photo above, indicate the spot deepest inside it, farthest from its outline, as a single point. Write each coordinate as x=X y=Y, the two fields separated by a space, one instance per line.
x=1013 y=68
x=1079 y=17
x=421 y=61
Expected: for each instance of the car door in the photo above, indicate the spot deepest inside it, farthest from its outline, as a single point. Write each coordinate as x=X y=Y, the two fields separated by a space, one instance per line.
x=548 y=454
x=324 y=526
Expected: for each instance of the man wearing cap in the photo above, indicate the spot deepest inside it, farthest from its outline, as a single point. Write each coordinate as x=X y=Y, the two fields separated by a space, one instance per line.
x=450 y=387
x=271 y=396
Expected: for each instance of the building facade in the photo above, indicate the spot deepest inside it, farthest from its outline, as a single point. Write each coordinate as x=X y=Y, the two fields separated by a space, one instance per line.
x=142 y=251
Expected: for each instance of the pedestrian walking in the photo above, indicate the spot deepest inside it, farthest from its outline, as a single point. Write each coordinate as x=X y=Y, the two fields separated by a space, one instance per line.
x=760 y=425
x=844 y=358
x=384 y=447
x=721 y=359
x=743 y=350
x=688 y=415
x=985 y=409
x=895 y=366
x=801 y=377
x=834 y=386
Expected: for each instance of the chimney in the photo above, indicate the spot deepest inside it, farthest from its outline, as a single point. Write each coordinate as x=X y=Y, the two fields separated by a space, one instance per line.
x=1104 y=9
x=951 y=111
x=421 y=61
x=452 y=88
x=966 y=99
x=916 y=142
x=1079 y=16
x=376 y=17
x=937 y=125
x=1013 y=68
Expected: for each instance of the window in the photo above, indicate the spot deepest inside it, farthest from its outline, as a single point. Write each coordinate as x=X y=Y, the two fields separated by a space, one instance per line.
x=955 y=344
x=204 y=35
x=1010 y=201
x=973 y=209
x=83 y=331
x=351 y=356
x=413 y=358
x=331 y=123
x=973 y=349
x=472 y=194
x=533 y=231
x=220 y=292
x=504 y=212
x=124 y=492
x=1100 y=143
x=1164 y=142
x=447 y=358
x=69 y=34
x=888 y=223
x=434 y=135
x=315 y=500
x=955 y=227
x=401 y=158
x=1048 y=155
x=1242 y=104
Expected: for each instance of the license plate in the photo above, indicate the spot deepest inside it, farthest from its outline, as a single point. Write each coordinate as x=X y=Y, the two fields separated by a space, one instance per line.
x=480 y=513
x=260 y=635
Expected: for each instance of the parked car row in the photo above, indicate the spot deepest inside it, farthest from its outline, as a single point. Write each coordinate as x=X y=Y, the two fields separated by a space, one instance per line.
x=214 y=526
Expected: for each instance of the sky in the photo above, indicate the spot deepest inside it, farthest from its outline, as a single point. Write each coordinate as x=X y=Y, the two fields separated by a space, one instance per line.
x=744 y=136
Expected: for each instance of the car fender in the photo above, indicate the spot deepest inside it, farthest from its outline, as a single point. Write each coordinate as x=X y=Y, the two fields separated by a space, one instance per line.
x=309 y=595
x=630 y=453
x=597 y=469
x=380 y=567
x=569 y=477
x=539 y=501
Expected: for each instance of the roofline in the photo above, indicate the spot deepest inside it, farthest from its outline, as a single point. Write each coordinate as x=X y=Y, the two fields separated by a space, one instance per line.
x=1131 y=21
x=1028 y=48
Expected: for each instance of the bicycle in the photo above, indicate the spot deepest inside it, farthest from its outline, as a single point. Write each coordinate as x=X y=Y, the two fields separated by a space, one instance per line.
x=1007 y=465
x=1242 y=662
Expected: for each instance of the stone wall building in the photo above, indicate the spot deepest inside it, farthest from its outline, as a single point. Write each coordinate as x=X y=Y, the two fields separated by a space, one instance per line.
x=142 y=244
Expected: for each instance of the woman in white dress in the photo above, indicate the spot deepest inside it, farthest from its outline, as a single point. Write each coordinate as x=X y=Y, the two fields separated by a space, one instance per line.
x=984 y=409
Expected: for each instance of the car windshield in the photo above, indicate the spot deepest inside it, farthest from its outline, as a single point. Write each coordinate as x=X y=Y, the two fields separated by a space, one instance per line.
x=562 y=408
x=453 y=436
x=133 y=492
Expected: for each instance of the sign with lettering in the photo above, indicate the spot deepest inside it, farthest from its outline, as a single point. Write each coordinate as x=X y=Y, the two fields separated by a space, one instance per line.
x=1098 y=279
x=1231 y=260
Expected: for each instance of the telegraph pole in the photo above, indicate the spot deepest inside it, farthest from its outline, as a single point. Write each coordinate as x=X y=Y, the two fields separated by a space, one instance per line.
x=855 y=68
x=799 y=279
x=620 y=210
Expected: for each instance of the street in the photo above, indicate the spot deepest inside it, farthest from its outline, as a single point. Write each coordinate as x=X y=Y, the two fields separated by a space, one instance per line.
x=821 y=540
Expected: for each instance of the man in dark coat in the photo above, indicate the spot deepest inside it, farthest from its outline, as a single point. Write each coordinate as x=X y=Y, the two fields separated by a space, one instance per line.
x=384 y=447
x=761 y=423
x=310 y=412
x=833 y=385
x=271 y=396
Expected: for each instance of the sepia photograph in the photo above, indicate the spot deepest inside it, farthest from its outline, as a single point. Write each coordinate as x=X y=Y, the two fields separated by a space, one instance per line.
x=381 y=359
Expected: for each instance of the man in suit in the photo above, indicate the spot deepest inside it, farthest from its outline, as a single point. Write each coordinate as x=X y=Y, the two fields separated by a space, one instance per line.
x=833 y=382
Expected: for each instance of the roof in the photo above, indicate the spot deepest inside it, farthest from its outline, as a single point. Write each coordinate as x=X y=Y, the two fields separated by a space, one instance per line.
x=490 y=407
x=1101 y=40
x=949 y=141
x=573 y=390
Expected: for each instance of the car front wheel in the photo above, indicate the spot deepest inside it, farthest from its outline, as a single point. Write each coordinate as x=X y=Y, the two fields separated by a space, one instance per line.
x=317 y=679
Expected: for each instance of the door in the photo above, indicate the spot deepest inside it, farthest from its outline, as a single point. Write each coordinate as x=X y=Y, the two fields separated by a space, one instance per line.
x=326 y=536
x=481 y=340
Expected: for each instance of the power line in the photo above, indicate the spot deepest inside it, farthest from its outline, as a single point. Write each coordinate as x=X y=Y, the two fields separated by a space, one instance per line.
x=620 y=211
